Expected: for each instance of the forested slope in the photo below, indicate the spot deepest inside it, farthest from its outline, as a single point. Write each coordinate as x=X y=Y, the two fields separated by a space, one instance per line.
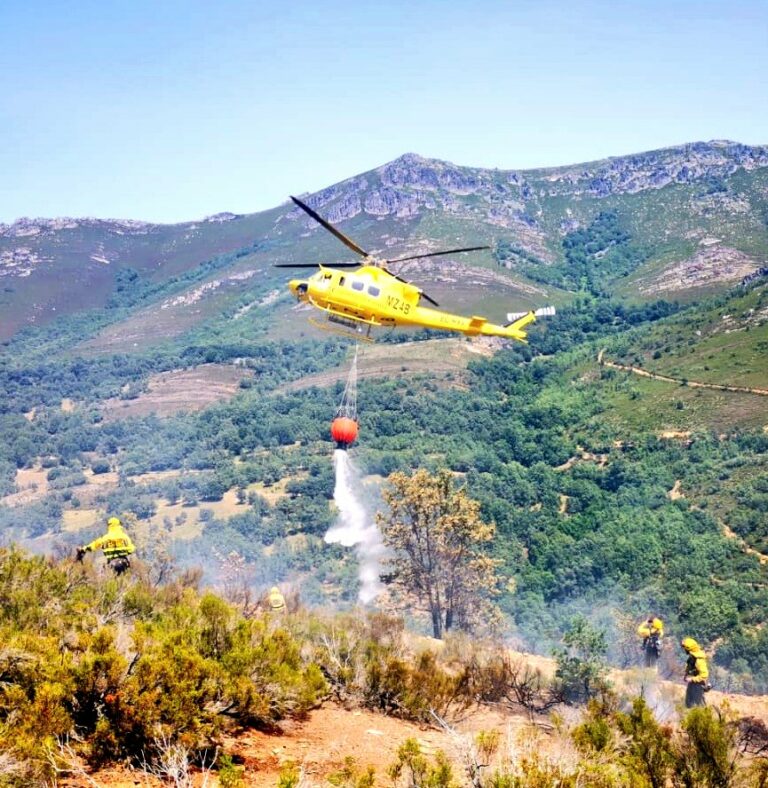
x=575 y=463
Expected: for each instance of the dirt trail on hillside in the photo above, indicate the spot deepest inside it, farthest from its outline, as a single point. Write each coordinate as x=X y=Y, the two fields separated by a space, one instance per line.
x=731 y=534
x=679 y=381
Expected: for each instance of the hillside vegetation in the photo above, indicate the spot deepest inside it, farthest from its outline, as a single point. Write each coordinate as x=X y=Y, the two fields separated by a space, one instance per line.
x=575 y=463
x=185 y=393
x=159 y=675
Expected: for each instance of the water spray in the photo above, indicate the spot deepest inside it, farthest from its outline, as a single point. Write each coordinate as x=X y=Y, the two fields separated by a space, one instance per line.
x=355 y=526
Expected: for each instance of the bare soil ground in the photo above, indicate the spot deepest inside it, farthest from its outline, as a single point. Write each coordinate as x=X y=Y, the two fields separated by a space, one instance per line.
x=319 y=744
x=180 y=390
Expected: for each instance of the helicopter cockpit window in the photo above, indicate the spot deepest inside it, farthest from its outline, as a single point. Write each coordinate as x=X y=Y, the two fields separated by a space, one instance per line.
x=357 y=285
x=327 y=276
x=374 y=291
x=342 y=279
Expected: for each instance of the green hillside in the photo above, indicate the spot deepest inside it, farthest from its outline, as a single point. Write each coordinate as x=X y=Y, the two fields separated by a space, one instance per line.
x=620 y=454
x=609 y=491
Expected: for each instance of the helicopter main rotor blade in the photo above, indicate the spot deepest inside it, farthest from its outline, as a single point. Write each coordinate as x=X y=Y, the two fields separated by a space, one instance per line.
x=435 y=254
x=315 y=265
x=429 y=298
x=331 y=229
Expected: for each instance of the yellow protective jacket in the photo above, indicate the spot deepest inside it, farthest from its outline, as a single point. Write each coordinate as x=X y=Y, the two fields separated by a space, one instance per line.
x=115 y=543
x=696 y=668
x=656 y=627
x=276 y=599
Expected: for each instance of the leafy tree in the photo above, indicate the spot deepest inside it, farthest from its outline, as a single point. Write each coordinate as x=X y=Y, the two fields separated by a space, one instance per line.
x=438 y=540
x=581 y=665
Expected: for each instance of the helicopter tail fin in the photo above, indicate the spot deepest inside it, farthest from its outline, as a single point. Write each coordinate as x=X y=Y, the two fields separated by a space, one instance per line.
x=519 y=320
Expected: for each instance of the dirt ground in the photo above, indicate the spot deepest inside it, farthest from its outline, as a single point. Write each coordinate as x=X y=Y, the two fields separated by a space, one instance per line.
x=319 y=745
x=183 y=389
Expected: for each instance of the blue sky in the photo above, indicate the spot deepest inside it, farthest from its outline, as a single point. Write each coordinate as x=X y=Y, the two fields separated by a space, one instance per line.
x=167 y=110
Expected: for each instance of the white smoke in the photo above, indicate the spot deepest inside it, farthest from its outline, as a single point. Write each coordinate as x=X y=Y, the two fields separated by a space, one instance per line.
x=355 y=527
x=660 y=696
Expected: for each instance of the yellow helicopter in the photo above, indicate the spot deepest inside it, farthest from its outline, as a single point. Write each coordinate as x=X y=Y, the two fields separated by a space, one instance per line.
x=373 y=296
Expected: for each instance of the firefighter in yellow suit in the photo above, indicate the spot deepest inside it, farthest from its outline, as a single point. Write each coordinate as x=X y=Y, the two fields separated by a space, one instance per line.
x=276 y=600
x=116 y=545
x=696 y=673
x=651 y=631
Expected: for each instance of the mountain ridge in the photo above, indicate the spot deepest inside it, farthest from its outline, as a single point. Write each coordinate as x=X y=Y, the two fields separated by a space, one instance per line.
x=25 y=225
x=663 y=207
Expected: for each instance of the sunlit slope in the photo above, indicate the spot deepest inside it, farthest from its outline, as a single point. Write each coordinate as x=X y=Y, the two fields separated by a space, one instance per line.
x=250 y=289
x=50 y=268
x=721 y=344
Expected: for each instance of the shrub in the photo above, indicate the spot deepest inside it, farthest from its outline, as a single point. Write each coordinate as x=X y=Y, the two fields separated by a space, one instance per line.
x=189 y=665
x=230 y=775
x=414 y=691
x=706 y=753
x=581 y=667
x=649 y=752
x=351 y=776
x=414 y=770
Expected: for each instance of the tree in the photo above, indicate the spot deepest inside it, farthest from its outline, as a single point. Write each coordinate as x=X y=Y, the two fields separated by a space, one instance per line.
x=581 y=667
x=438 y=542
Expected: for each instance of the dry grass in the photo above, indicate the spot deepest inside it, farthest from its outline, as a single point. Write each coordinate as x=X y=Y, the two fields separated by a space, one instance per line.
x=74 y=520
x=275 y=492
x=159 y=476
x=180 y=390
x=446 y=357
x=108 y=479
x=186 y=522
x=32 y=485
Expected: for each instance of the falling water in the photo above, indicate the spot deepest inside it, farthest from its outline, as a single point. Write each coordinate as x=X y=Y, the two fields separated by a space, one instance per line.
x=355 y=527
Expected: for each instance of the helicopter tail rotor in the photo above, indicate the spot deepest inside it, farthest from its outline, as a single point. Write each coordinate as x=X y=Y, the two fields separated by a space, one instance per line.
x=542 y=311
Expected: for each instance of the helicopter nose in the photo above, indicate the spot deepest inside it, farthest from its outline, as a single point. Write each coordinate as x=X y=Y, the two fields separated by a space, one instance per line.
x=298 y=287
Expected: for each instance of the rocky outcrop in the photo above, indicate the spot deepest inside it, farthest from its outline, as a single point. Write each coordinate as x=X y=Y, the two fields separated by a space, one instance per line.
x=224 y=216
x=656 y=169
x=25 y=227
x=193 y=296
x=412 y=185
x=712 y=264
x=20 y=261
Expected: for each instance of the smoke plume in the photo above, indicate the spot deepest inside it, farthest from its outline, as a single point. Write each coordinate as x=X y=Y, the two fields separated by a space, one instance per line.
x=355 y=527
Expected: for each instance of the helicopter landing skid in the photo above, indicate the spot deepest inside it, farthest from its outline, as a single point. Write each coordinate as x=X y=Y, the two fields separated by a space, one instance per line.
x=344 y=327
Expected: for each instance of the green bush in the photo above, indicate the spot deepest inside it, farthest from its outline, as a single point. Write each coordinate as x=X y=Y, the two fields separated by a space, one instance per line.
x=183 y=665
